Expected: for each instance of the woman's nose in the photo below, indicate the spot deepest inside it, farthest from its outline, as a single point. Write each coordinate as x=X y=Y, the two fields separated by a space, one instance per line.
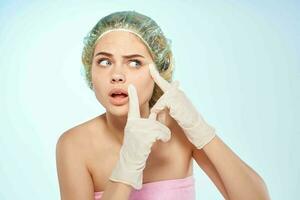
x=116 y=78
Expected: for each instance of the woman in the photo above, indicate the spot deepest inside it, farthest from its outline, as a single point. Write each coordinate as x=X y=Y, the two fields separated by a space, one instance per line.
x=143 y=145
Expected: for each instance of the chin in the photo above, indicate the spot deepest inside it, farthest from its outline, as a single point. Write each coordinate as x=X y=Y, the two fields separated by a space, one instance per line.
x=119 y=111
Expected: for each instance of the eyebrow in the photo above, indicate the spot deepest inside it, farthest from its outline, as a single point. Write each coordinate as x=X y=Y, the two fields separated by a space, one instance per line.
x=125 y=56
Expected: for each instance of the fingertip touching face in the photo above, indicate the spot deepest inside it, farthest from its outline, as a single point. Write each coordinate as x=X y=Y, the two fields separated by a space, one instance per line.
x=121 y=58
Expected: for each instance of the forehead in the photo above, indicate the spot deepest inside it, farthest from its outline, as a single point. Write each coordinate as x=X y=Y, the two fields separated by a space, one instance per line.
x=122 y=40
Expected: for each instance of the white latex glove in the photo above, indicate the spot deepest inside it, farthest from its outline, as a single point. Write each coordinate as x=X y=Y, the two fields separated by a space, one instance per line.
x=139 y=136
x=182 y=110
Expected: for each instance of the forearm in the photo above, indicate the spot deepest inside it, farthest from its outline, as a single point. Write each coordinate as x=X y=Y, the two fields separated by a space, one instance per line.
x=116 y=191
x=240 y=181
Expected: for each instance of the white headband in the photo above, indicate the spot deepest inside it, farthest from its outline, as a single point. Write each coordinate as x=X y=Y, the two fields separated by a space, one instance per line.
x=123 y=29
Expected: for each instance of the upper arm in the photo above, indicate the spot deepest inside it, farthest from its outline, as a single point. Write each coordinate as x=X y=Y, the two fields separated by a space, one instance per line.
x=75 y=181
x=207 y=166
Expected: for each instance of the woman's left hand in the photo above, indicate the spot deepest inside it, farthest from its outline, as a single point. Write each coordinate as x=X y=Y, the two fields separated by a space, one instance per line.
x=182 y=110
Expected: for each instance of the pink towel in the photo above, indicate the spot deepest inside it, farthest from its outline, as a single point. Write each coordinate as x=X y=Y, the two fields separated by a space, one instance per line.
x=174 y=189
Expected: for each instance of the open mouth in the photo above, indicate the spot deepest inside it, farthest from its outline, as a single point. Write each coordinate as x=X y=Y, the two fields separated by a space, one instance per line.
x=119 y=99
x=121 y=95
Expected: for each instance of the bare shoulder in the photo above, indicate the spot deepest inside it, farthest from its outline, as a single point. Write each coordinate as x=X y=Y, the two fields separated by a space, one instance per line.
x=75 y=181
x=72 y=142
x=75 y=135
x=82 y=136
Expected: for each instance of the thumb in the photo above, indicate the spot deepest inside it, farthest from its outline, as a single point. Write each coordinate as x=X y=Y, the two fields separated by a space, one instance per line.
x=159 y=105
x=165 y=135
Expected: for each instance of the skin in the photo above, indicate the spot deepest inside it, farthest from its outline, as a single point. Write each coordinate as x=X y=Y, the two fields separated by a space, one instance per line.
x=239 y=179
x=118 y=72
x=115 y=190
x=87 y=153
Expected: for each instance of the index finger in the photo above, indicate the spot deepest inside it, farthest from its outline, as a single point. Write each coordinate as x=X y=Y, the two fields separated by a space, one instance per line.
x=134 y=109
x=160 y=81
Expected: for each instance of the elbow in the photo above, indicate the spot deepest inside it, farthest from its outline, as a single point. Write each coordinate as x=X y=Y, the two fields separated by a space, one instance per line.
x=260 y=187
x=263 y=191
x=256 y=189
x=260 y=190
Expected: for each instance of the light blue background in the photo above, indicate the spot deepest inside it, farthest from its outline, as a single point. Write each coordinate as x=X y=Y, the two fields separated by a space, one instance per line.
x=238 y=61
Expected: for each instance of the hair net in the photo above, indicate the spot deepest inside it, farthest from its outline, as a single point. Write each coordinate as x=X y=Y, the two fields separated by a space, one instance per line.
x=142 y=26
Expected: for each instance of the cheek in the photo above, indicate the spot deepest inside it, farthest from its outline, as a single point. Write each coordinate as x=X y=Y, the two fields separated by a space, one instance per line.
x=145 y=85
x=100 y=87
x=100 y=94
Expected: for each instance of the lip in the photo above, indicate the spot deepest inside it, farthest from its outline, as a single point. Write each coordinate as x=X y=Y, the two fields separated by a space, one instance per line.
x=118 y=100
x=115 y=90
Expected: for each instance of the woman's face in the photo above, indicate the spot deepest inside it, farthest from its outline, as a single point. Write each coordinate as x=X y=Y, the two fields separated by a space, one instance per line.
x=111 y=69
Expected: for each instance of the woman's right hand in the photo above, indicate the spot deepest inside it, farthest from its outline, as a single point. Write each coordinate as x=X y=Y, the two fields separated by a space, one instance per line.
x=139 y=136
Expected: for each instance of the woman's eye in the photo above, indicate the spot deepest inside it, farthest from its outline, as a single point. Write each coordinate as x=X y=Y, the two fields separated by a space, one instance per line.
x=99 y=62
x=105 y=61
x=136 y=61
